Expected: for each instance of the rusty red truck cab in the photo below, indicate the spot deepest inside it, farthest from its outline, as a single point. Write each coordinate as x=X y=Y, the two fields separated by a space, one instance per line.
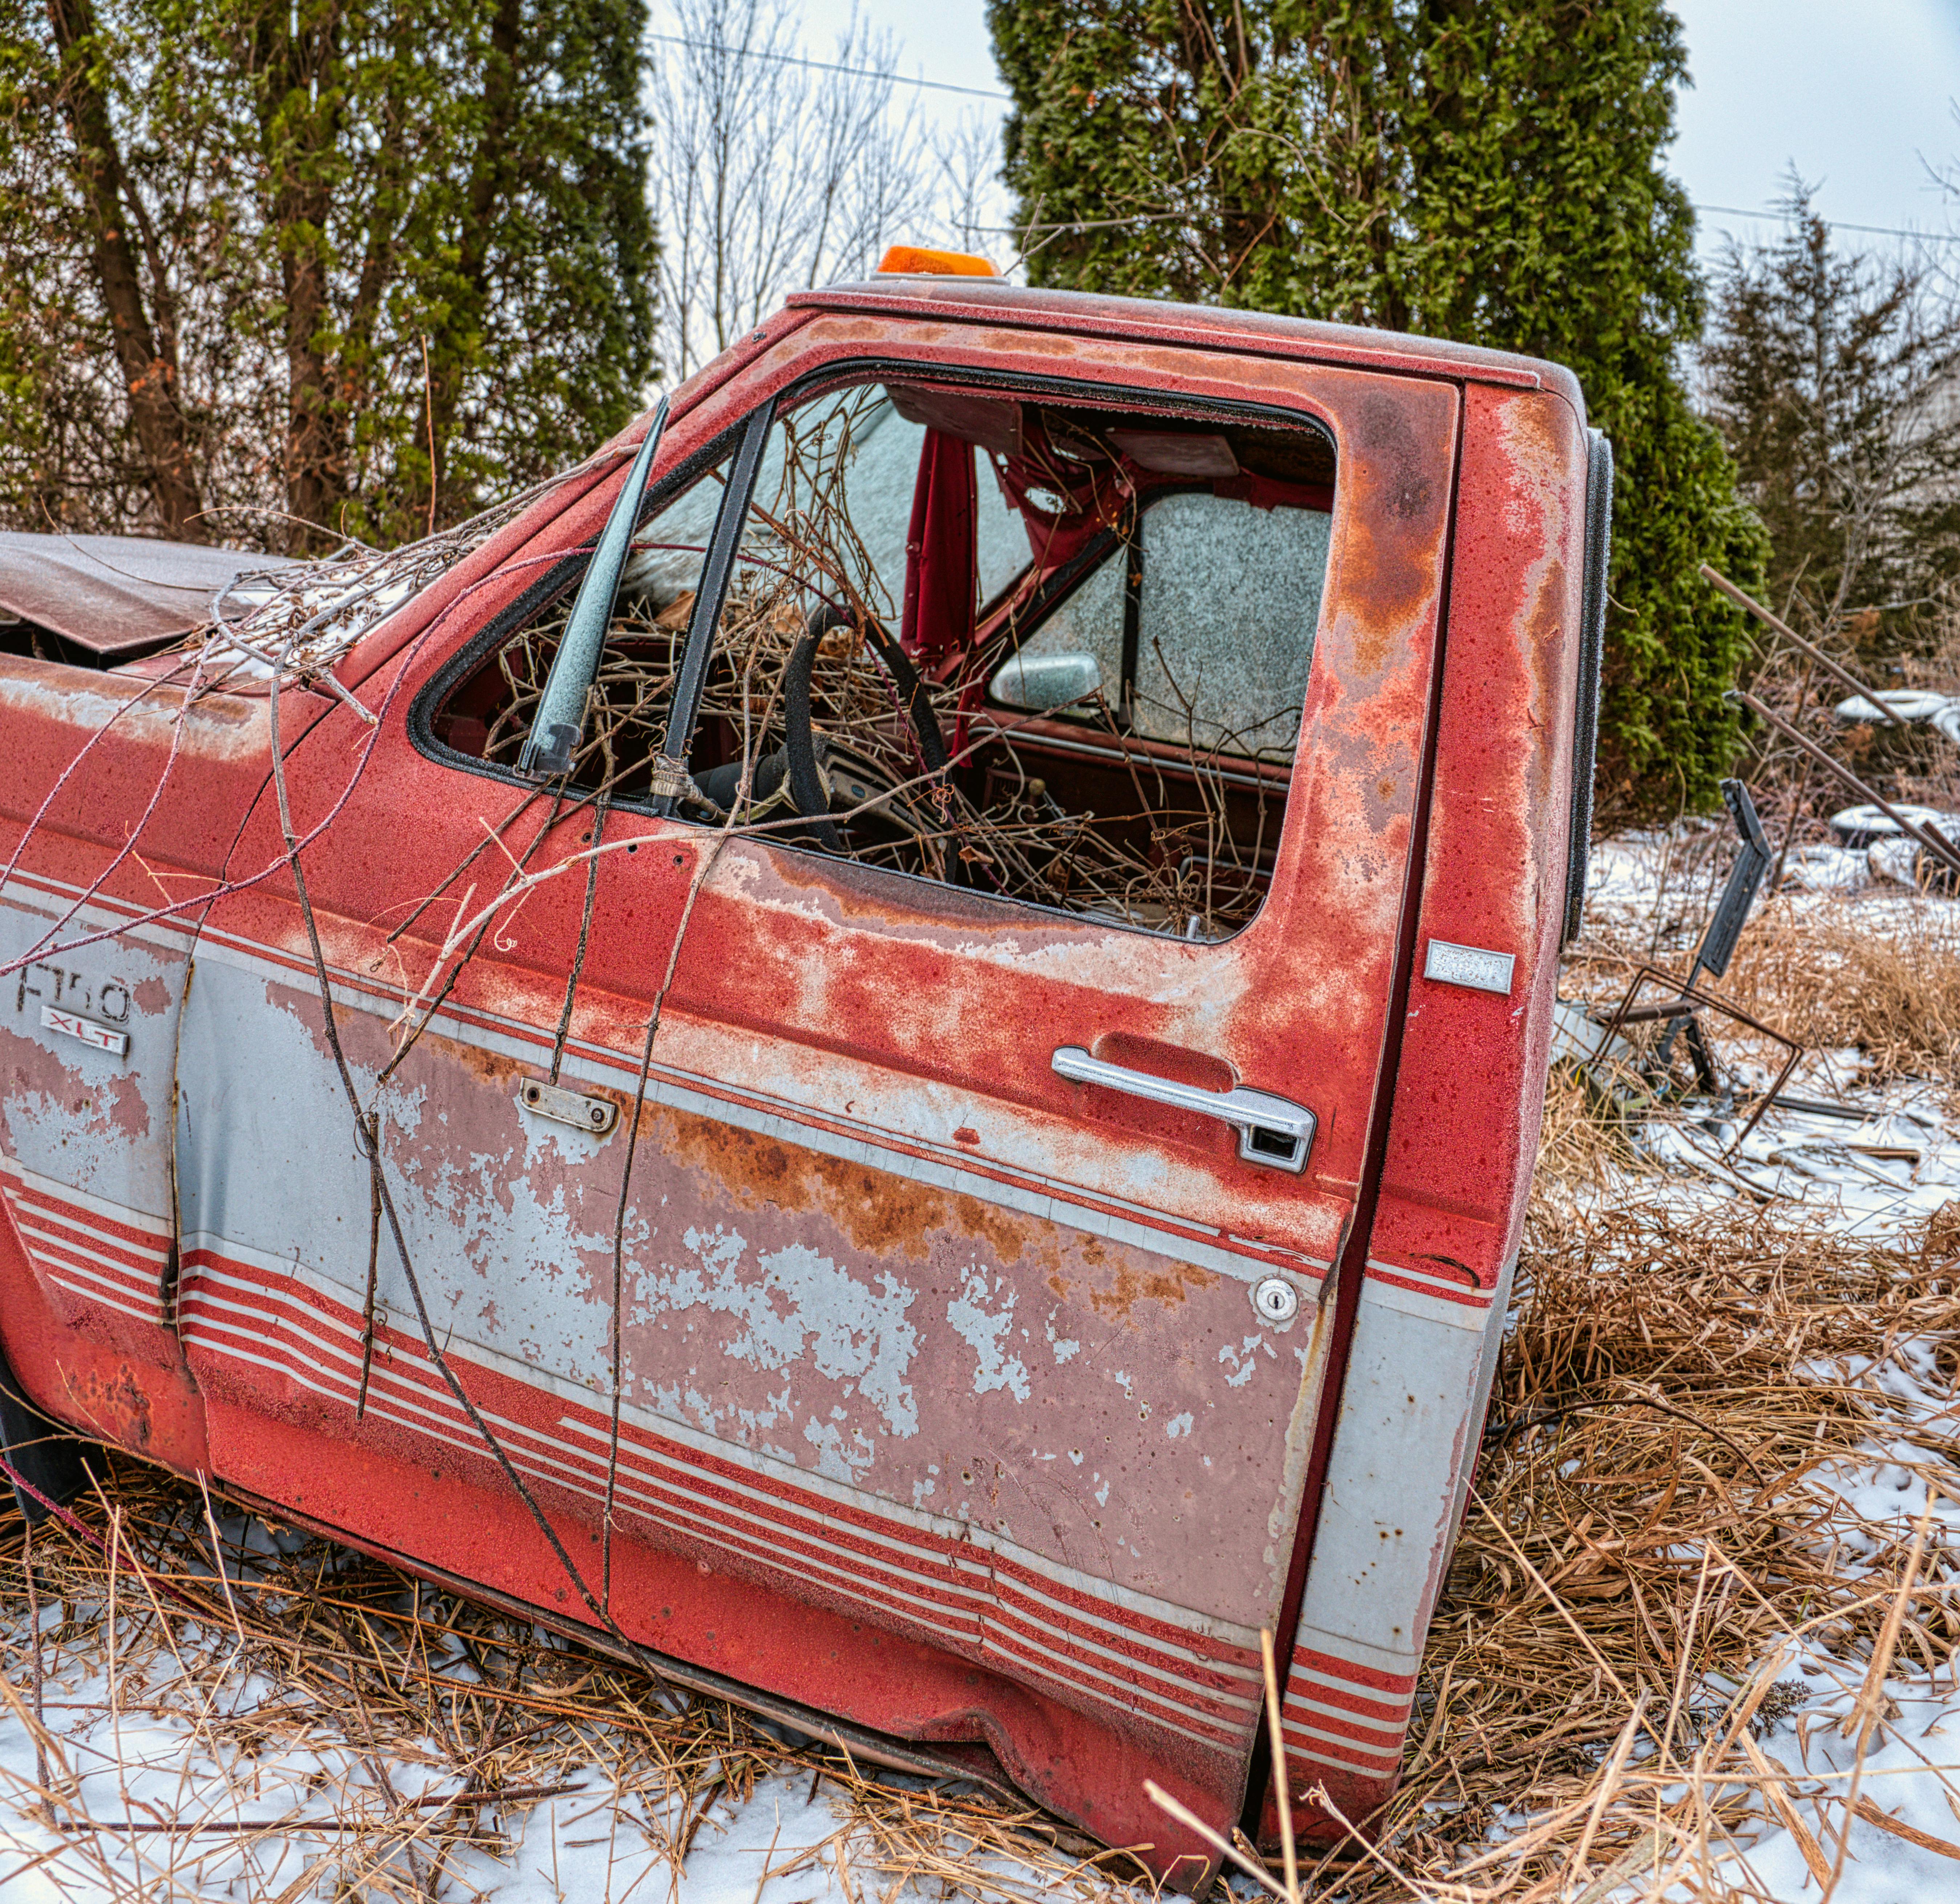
x=936 y=1136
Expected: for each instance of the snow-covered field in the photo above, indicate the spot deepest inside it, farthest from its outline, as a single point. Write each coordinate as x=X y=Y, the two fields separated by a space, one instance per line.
x=1878 y=1741
x=394 y=1744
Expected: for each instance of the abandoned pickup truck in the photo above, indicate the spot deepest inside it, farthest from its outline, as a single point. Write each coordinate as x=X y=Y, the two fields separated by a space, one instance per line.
x=901 y=1074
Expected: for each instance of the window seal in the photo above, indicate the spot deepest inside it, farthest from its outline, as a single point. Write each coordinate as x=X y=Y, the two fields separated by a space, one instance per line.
x=1591 y=653
x=716 y=568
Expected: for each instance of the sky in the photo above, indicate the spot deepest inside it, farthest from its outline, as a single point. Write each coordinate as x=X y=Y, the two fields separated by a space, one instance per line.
x=1859 y=98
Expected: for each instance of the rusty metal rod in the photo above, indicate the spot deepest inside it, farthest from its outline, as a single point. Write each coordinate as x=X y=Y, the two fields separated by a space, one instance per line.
x=1802 y=785
x=1817 y=655
x=1936 y=844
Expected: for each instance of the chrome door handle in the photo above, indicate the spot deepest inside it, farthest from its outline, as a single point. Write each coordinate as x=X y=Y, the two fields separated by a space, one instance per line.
x=1272 y=1130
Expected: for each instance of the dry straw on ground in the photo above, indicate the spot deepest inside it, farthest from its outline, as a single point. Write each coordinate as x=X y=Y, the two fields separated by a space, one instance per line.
x=405 y=1687
x=1826 y=977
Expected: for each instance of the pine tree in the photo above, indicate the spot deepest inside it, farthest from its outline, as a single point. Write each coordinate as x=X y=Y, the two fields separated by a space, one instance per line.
x=1491 y=173
x=1834 y=377
x=371 y=261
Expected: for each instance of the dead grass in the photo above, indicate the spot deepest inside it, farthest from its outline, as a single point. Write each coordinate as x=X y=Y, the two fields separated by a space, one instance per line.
x=1824 y=973
x=1582 y=1144
x=1825 y=977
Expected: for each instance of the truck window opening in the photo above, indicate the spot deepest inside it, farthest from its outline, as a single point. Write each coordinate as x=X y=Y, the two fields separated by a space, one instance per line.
x=1044 y=650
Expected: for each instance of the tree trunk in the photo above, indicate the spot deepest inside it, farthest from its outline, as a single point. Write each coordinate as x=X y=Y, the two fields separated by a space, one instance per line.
x=489 y=177
x=149 y=369
x=297 y=75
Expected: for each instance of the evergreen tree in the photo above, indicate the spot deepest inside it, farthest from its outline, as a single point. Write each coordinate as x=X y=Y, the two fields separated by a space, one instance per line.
x=1835 y=379
x=371 y=259
x=1490 y=172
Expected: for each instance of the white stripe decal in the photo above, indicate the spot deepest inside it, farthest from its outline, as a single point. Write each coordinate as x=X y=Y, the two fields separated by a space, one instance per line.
x=47 y=1213
x=759 y=1546
x=142 y=1274
x=1292 y=1710
x=1005 y=1640
x=196 y=1301
x=829 y=1579
x=155 y=1226
x=61 y=1271
x=1391 y=1662
x=235 y=1271
x=104 y=1302
x=1303 y=1682
x=403 y=1387
x=1461 y=1311
x=1319 y=1749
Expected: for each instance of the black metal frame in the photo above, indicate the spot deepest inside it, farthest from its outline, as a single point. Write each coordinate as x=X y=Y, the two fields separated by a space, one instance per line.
x=1592 y=642
x=1690 y=999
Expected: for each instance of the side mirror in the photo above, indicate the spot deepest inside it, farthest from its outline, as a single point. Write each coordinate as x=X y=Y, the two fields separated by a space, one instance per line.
x=1044 y=682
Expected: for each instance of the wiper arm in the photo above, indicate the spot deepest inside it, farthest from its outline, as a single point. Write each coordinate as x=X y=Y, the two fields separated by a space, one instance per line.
x=560 y=719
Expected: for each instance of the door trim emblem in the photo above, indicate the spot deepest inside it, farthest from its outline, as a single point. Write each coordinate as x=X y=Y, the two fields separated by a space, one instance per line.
x=1470 y=965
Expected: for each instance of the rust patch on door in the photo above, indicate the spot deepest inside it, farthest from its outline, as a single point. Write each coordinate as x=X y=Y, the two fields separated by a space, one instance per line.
x=483 y=1067
x=118 y=1408
x=1166 y=1286
x=878 y=1211
x=1397 y=490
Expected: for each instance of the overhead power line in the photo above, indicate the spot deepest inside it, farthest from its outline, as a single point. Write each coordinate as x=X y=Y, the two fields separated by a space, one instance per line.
x=988 y=92
x=1841 y=224
x=823 y=66
x=1155 y=217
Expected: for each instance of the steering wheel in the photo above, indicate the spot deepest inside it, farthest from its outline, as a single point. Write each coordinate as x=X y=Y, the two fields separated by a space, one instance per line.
x=809 y=785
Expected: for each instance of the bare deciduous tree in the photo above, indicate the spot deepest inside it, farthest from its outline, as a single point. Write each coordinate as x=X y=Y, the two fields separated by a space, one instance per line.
x=972 y=205
x=769 y=173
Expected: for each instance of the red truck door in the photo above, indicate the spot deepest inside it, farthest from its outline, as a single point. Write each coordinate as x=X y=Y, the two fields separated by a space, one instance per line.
x=974 y=1268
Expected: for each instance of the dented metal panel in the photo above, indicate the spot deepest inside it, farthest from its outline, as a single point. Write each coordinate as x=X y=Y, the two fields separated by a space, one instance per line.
x=979 y=1405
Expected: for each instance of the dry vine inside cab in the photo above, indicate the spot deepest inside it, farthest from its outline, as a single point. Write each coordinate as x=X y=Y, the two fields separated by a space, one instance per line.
x=920 y=769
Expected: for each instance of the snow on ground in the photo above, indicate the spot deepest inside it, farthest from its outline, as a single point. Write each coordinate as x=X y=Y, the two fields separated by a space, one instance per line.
x=283 y=1816
x=1882 y=1175
x=590 y=1841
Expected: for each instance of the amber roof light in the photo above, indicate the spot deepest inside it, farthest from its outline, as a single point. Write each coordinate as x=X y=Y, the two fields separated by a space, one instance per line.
x=911 y=260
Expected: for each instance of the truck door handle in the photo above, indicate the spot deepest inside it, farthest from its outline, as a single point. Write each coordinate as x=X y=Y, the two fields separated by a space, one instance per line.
x=1272 y=1130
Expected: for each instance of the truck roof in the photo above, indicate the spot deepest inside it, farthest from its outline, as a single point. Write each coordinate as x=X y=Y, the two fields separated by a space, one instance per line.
x=1097 y=314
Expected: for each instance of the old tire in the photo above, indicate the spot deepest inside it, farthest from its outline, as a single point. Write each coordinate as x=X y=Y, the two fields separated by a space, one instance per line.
x=40 y=1452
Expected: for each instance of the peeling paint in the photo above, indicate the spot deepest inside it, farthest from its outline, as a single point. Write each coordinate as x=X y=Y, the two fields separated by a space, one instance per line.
x=983 y=1334
x=795 y=1305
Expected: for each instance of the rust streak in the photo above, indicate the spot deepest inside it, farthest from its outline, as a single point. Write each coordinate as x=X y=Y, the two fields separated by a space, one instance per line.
x=1160 y=1287
x=876 y=1211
